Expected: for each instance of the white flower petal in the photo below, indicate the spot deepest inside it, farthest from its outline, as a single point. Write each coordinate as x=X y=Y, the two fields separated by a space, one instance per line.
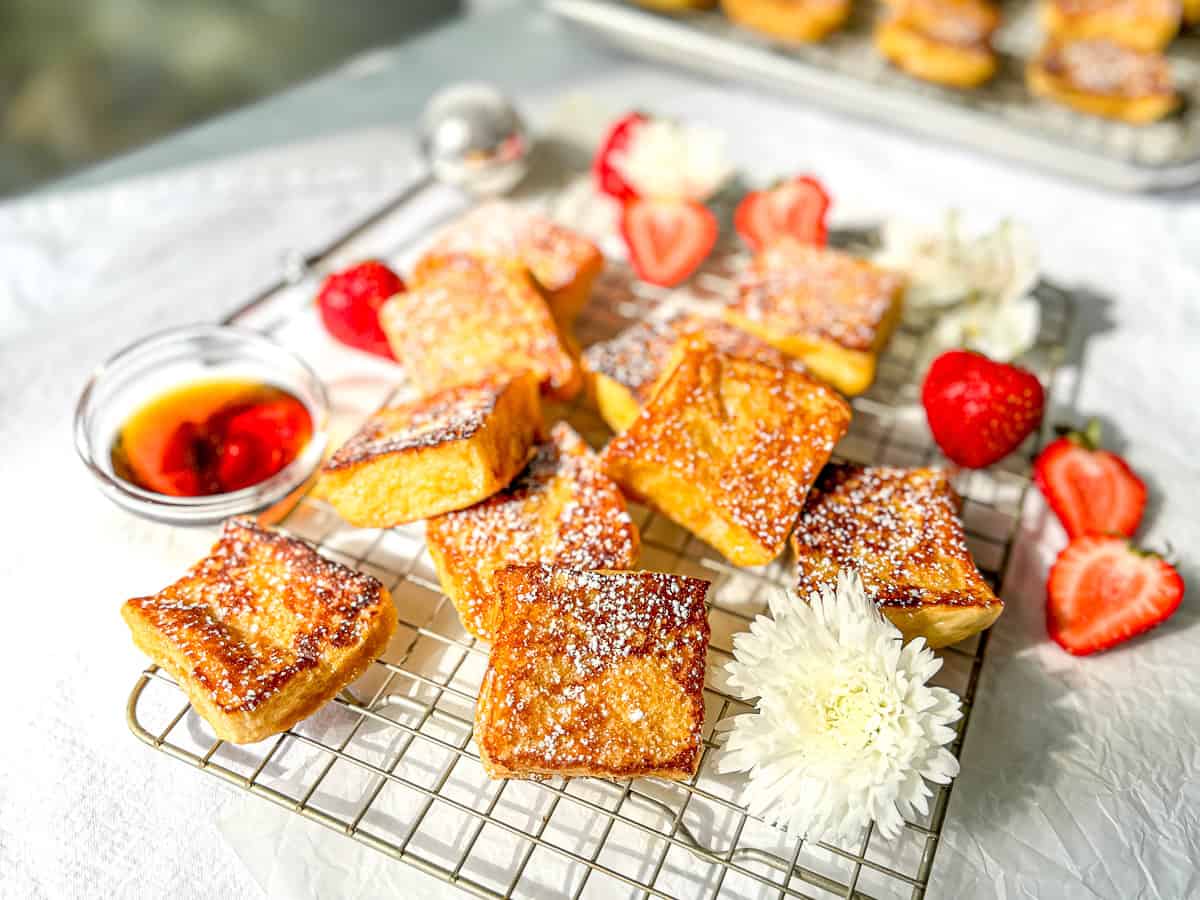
x=667 y=159
x=846 y=730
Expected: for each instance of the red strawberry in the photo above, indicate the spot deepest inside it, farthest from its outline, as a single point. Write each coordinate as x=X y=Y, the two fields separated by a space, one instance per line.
x=794 y=208
x=1103 y=591
x=667 y=238
x=349 y=303
x=608 y=179
x=1093 y=491
x=978 y=410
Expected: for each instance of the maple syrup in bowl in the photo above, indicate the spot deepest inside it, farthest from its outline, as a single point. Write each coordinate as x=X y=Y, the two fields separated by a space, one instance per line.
x=197 y=424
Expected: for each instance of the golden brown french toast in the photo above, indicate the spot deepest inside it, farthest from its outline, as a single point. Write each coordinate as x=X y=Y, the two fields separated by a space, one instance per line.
x=943 y=41
x=831 y=310
x=561 y=510
x=728 y=447
x=563 y=262
x=1103 y=78
x=1144 y=25
x=622 y=373
x=900 y=529
x=800 y=21
x=263 y=631
x=473 y=317
x=427 y=457
x=594 y=674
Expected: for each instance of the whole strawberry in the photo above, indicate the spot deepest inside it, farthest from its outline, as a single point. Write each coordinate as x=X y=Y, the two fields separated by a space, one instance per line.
x=978 y=410
x=1091 y=490
x=349 y=303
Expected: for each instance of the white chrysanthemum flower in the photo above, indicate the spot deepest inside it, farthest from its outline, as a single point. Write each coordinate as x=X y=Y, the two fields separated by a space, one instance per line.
x=847 y=731
x=986 y=281
x=666 y=159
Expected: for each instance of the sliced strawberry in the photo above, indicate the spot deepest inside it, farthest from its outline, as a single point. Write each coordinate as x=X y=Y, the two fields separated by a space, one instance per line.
x=795 y=208
x=608 y=179
x=1103 y=591
x=349 y=303
x=978 y=410
x=667 y=239
x=1092 y=491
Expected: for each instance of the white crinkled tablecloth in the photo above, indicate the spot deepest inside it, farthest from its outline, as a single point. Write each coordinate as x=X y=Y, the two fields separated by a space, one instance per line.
x=1081 y=778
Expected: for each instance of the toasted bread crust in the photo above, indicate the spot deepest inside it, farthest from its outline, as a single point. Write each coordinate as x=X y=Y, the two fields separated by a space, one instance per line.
x=829 y=309
x=444 y=452
x=899 y=528
x=561 y=510
x=471 y=317
x=802 y=21
x=728 y=448
x=623 y=373
x=1103 y=78
x=594 y=674
x=563 y=262
x=263 y=631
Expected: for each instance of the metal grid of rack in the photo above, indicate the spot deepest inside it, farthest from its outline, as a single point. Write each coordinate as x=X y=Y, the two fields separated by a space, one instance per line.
x=391 y=762
x=846 y=72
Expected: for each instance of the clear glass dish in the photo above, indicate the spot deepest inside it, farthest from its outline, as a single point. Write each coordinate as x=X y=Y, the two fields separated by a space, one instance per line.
x=163 y=361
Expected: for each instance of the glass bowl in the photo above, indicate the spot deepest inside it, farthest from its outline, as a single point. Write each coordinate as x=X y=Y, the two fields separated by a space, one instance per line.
x=154 y=365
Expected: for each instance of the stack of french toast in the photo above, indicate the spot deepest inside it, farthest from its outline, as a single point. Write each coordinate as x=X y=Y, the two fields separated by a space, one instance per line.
x=725 y=422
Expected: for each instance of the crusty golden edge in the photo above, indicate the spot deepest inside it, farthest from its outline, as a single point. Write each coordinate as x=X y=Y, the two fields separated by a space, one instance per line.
x=316 y=687
x=616 y=403
x=944 y=624
x=493 y=456
x=498 y=770
x=849 y=370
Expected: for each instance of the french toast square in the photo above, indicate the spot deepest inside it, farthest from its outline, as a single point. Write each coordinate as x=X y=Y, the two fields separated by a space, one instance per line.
x=831 y=310
x=594 y=674
x=263 y=631
x=563 y=262
x=728 y=447
x=443 y=452
x=561 y=510
x=900 y=529
x=473 y=317
x=622 y=373
x=1102 y=77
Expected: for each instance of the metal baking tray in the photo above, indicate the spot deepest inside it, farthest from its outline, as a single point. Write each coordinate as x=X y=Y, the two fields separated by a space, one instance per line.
x=845 y=73
x=391 y=763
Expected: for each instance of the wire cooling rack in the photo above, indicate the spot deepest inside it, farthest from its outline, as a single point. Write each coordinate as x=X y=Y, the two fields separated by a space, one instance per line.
x=391 y=762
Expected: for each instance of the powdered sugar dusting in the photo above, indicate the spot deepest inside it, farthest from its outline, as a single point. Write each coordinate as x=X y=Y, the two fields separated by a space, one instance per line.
x=898 y=527
x=451 y=415
x=561 y=509
x=259 y=610
x=596 y=672
x=798 y=290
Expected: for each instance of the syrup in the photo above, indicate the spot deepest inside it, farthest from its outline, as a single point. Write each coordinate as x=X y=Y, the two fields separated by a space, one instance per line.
x=211 y=437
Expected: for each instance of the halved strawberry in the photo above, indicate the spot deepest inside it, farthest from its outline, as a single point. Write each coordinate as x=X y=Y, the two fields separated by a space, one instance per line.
x=794 y=208
x=1103 y=591
x=349 y=304
x=978 y=410
x=667 y=238
x=1093 y=491
x=608 y=179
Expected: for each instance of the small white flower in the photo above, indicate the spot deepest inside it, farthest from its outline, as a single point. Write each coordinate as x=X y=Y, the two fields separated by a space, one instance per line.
x=666 y=159
x=945 y=268
x=846 y=729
